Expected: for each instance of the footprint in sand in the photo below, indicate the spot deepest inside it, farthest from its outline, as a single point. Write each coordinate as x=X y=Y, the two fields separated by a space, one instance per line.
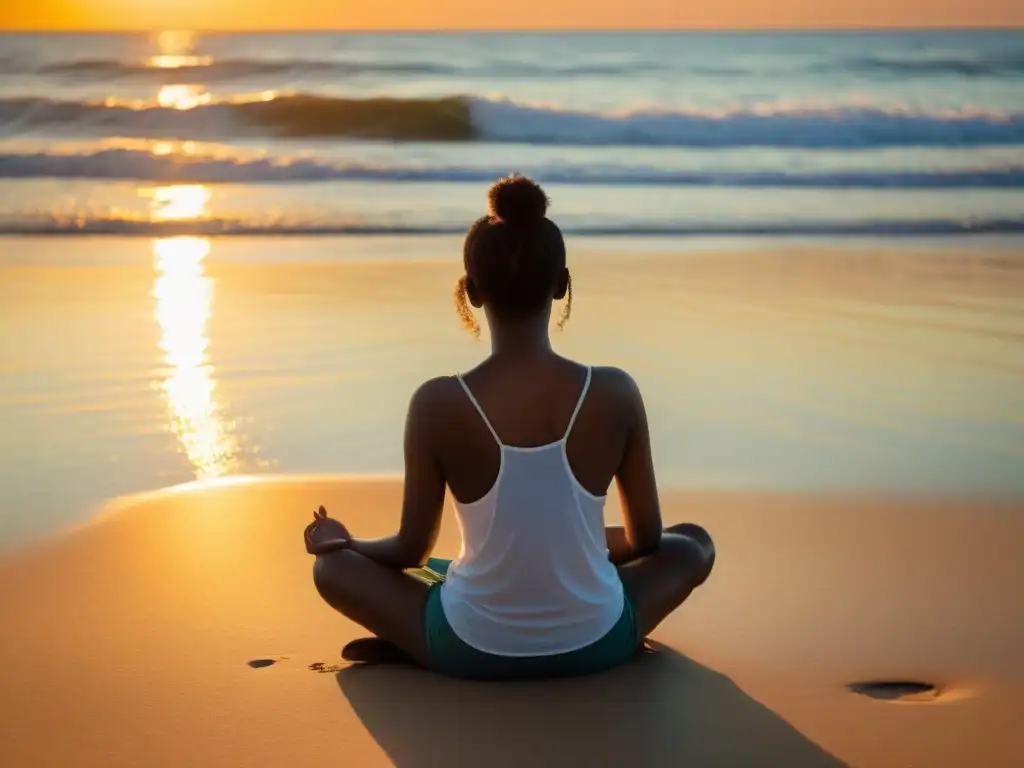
x=896 y=690
x=265 y=662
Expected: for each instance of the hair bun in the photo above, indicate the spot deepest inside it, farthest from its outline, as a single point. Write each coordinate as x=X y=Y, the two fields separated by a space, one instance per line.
x=517 y=200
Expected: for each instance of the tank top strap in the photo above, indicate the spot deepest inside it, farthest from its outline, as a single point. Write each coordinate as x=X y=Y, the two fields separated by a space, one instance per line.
x=473 y=400
x=579 y=403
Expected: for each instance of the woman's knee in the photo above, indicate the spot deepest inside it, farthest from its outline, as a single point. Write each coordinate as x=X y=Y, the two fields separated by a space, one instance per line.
x=694 y=531
x=692 y=550
x=329 y=573
x=320 y=576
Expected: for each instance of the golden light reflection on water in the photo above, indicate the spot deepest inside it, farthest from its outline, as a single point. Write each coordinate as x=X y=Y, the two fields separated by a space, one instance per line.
x=176 y=49
x=177 y=61
x=178 y=202
x=184 y=299
x=164 y=148
x=183 y=96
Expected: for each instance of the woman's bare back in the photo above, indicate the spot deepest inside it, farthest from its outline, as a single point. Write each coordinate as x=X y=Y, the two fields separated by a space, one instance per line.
x=530 y=405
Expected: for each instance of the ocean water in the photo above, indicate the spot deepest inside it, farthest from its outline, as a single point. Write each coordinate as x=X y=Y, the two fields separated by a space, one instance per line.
x=234 y=254
x=761 y=134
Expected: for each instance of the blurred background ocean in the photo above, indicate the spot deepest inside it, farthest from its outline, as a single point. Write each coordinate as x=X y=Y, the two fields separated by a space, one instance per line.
x=668 y=133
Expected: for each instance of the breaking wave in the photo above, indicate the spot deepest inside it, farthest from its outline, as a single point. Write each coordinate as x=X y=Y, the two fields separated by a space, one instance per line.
x=463 y=119
x=143 y=165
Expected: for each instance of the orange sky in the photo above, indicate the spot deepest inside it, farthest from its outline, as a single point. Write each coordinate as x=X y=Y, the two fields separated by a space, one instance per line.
x=519 y=14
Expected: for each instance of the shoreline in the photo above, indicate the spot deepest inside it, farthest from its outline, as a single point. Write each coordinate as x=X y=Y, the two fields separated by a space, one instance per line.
x=108 y=509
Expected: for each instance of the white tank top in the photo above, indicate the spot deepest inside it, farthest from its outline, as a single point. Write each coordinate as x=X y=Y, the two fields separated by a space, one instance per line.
x=533 y=577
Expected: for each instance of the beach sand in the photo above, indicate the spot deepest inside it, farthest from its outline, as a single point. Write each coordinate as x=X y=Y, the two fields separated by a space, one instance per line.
x=127 y=642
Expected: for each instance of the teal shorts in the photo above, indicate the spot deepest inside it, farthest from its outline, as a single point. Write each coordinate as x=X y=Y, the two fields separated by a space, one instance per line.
x=450 y=655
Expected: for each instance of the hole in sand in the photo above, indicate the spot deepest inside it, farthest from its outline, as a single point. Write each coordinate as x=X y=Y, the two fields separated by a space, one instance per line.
x=897 y=690
x=259 y=663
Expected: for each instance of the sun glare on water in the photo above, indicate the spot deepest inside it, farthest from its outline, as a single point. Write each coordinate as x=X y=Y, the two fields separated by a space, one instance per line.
x=183 y=96
x=184 y=300
x=176 y=50
x=178 y=203
x=173 y=61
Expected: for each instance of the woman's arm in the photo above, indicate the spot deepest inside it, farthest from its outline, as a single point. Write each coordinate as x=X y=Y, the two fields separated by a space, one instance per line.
x=638 y=489
x=423 y=498
x=620 y=551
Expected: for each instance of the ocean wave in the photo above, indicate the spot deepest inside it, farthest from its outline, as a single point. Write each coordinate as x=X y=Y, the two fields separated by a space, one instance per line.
x=202 y=69
x=972 y=64
x=294 y=116
x=770 y=125
x=209 y=69
x=462 y=119
x=214 y=168
x=84 y=225
x=975 y=64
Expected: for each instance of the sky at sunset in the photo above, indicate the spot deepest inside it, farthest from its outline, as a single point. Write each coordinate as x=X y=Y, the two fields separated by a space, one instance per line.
x=521 y=14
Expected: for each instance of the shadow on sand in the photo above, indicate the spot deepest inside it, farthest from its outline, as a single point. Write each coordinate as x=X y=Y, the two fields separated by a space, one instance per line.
x=662 y=709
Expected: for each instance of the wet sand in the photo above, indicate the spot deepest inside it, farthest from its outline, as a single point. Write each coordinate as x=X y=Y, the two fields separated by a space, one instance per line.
x=128 y=642
x=128 y=364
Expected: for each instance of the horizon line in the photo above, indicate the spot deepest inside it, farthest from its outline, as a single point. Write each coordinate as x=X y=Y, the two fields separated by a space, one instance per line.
x=1014 y=27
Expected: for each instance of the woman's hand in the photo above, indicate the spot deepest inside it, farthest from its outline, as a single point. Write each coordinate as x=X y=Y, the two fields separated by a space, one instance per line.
x=325 y=534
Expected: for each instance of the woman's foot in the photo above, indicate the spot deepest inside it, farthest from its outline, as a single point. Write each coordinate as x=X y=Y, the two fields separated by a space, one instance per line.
x=373 y=650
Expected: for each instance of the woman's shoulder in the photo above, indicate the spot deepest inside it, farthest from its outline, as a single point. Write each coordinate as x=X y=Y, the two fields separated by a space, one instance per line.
x=436 y=392
x=614 y=381
x=617 y=392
